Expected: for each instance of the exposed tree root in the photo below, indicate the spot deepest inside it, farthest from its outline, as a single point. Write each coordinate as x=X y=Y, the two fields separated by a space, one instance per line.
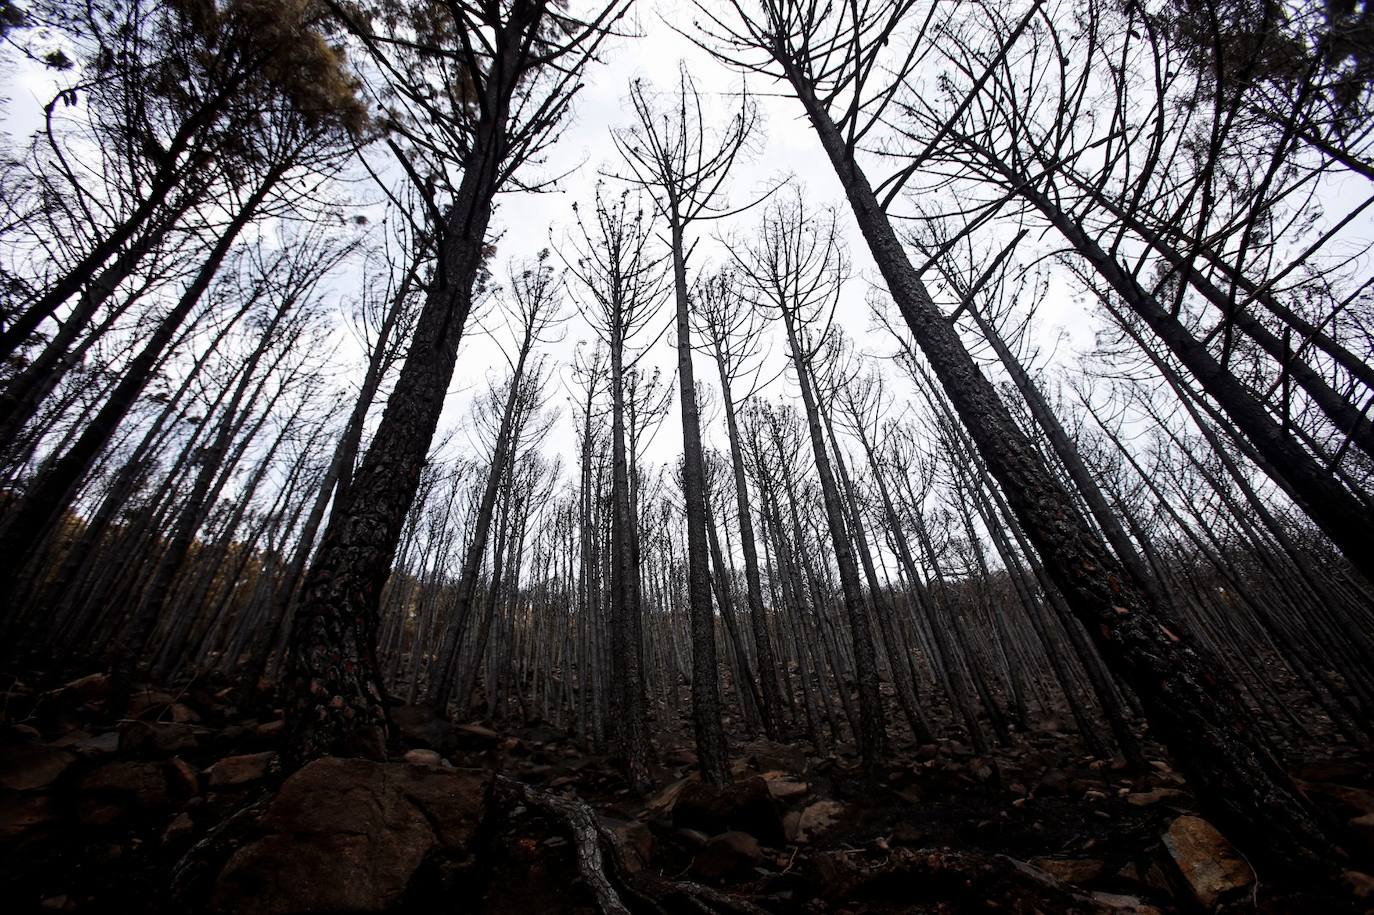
x=597 y=869
x=599 y=862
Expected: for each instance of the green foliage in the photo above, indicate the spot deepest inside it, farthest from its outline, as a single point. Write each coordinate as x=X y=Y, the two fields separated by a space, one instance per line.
x=284 y=46
x=1321 y=46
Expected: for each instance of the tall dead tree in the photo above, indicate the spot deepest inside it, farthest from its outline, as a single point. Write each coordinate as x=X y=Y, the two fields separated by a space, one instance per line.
x=841 y=64
x=729 y=330
x=620 y=287
x=1121 y=215
x=514 y=68
x=684 y=164
x=534 y=306
x=797 y=269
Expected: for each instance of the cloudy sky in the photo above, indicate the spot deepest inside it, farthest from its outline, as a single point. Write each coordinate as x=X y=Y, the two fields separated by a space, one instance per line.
x=784 y=148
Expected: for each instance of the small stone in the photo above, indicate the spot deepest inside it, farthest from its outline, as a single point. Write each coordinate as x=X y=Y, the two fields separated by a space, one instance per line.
x=32 y=767
x=21 y=814
x=693 y=837
x=184 y=714
x=727 y=855
x=775 y=756
x=635 y=841
x=84 y=744
x=185 y=780
x=664 y=800
x=155 y=740
x=1157 y=880
x=479 y=732
x=1071 y=870
x=1053 y=783
x=908 y=834
x=1362 y=828
x=1117 y=904
x=817 y=818
x=422 y=726
x=1206 y=860
x=148 y=703
x=423 y=758
x=746 y=805
x=784 y=789
x=1154 y=796
x=178 y=832
x=121 y=788
x=270 y=730
x=1361 y=885
x=90 y=688
x=233 y=771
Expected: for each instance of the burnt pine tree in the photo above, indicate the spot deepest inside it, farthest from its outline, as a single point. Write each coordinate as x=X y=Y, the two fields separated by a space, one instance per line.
x=729 y=329
x=796 y=269
x=620 y=283
x=837 y=62
x=516 y=65
x=683 y=163
x=288 y=143
x=534 y=305
x=1038 y=157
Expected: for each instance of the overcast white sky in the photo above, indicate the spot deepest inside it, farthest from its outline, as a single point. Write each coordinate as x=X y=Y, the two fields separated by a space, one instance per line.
x=785 y=147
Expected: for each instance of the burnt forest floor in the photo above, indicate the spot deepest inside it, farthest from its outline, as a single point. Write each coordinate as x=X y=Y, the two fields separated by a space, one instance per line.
x=178 y=804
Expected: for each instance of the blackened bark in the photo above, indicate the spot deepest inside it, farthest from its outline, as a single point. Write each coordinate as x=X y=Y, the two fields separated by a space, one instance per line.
x=904 y=685
x=1335 y=510
x=472 y=562
x=872 y=723
x=334 y=486
x=334 y=688
x=1196 y=714
x=166 y=179
x=130 y=656
x=51 y=494
x=770 y=701
x=627 y=660
x=1067 y=452
x=710 y=735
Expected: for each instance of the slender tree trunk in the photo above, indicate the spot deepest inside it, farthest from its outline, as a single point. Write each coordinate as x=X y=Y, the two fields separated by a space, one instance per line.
x=1197 y=715
x=769 y=699
x=477 y=547
x=712 y=756
x=51 y=494
x=873 y=728
x=1336 y=511
x=334 y=688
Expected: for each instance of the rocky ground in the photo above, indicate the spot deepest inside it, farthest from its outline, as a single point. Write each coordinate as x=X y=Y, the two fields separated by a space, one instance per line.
x=180 y=804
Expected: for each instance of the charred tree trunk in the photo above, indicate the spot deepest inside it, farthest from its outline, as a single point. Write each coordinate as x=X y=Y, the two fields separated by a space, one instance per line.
x=1197 y=715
